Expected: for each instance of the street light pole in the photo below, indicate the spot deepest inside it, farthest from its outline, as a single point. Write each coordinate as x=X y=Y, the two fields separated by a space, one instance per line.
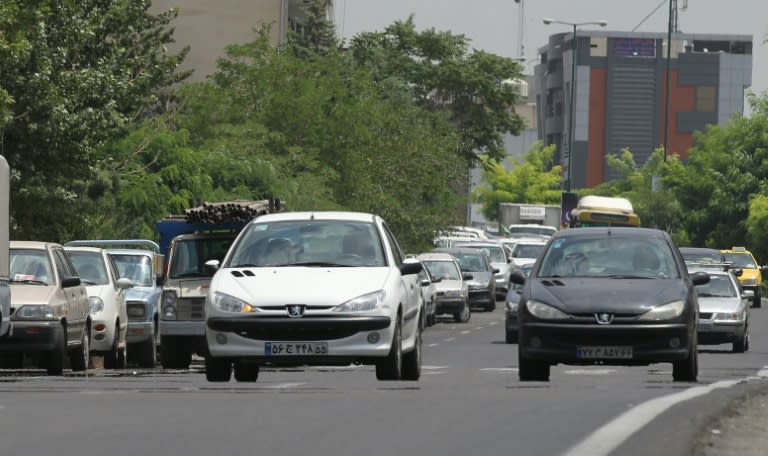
x=572 y=95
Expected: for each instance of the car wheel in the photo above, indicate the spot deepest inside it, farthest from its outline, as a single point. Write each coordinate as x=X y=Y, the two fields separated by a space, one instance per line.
x=217 y=369
x=491 y=306
x=55 y=358
x=147 y=355
x=391 y=367
x=757 y=300
x=464 y=315
x=742 y=345
x=510 y=337
x=173 y=354
x=687 y=370
x=79 y=357
x=122 y=357
x=245 y=372
x=111 y=357
x=412 y=359
x=530 y=370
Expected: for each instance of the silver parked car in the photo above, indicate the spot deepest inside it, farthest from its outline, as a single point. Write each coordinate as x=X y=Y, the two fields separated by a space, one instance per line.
x=450 y=285
x=499 y=260
x=724 y=311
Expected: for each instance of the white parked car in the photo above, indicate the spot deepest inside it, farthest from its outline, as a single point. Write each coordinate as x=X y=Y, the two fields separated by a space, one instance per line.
x=526 y=251
x=106 y=296
x=314 y=288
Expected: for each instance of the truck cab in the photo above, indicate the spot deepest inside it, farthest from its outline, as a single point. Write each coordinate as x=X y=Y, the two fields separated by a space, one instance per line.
x=5 y=290
x=185 y=286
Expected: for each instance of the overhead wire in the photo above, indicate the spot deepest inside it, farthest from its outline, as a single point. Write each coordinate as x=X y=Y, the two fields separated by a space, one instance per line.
x=650 y=14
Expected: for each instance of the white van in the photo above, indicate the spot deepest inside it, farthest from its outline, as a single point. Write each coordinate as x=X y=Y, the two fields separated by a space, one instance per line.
x=5 y=291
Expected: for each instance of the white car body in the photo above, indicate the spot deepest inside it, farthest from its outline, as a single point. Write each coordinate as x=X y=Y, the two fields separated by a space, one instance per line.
x=259 y=314
x=519 y=258
x=106 y=297
x=5 y=289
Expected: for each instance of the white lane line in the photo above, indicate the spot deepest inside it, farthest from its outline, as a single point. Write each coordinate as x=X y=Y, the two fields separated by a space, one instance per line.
x=433 y=345
x=434 y=367
x=493 y=323
x=465 y=332
x=590 y=371
x=763 y=372
x=449 y=339
x=500 y=369
x=287 y=385
x=481 y=327
x=607 y=438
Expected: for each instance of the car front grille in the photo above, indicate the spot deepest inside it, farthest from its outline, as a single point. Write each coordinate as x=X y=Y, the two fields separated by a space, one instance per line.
x=297 y=333
x=190 y=309
x=136 y=310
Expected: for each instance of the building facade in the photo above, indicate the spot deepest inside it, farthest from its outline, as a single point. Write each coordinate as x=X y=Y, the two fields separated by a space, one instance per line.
x=620 y=94
x=208 y=26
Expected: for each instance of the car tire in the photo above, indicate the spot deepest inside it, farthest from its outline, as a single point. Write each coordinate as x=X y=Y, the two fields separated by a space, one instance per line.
x=79 y=357
x=391 y=367
x=412 y=359
x=217 y=369
x=122 y=357
x=245 y=372
x=464 y=315
x=530 y=370
x=146 y=354
x=687 y=370
x=757 y=300
x=111 y=357
x=742 y=345
x=54 y=363
x=491 y=306
x=510 y=337
x=173 y=355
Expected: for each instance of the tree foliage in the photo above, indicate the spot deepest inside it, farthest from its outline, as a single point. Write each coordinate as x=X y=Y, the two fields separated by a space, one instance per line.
x=533 y=179
x=445 y=76
x=79 y=73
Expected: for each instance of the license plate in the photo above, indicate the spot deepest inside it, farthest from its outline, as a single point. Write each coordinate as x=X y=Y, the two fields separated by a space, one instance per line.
x=618 y=352
x=295 y=348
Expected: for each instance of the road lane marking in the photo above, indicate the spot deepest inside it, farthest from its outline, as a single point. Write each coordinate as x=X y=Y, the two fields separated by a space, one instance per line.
x=493 y=323
x=500 y=369
x=465 y=332
x=763 y=372
x=287 y=385
x=433 y=345
x=434 y=367
x=449 y=339
x=590 y=371
x=608 y=437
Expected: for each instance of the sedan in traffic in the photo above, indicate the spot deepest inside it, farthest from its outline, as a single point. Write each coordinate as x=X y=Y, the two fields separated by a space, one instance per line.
x=724 y=311
x=589 y=301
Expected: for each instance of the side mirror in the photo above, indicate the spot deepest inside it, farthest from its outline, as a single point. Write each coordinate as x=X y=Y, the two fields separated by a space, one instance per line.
x=437 y=279
x=158 y=261
x=700 y=278
x=737 y=272
x=124 y=283
x=425 y=282
x=518 y=278
x=467 y=276
x=496 y=270
x=410 y=266
x=747 y=294
x=69 y=282
x=213 y=264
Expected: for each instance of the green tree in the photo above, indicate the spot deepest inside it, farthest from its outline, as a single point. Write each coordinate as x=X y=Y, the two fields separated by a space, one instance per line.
x=756 y=223
x=79 y=74
x=316 y=33
x=445 y=76
x=533 y=179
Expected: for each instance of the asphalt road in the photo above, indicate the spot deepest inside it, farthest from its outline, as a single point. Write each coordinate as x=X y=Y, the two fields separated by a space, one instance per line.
x=468 y=402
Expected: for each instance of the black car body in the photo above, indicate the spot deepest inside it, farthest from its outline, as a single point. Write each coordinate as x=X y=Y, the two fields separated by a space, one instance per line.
x=608 y=295
x=511 y=303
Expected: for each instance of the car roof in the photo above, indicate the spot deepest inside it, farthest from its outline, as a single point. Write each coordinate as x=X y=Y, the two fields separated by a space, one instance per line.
x=699 y=250
x=131 y=252
x=83 y=249
x=473 y=244
x=453 y=250
x=435 y=256
x=607 y=230
x=34 y=245
x=315 y=215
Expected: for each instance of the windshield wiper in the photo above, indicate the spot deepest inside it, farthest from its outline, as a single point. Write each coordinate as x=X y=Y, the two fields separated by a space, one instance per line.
x=192 y=274
x=244 y=265
x=628 y=276
x=317 y=264
x=29 y=282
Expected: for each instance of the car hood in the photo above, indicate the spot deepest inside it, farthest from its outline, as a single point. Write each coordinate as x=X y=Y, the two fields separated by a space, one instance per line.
x=142 y=294
x=31 y=294
x=523 y=261
x=448 y=285
x=713 y=304
x=482 y=278
x=194 y=288
x=299 y=285
x=748 y=274
x=620 y=296
x=96 y=290
x=502 y=267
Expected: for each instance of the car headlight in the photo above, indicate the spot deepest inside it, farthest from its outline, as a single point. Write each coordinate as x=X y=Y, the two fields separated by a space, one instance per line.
x=749 y=282
x=729 y=316
x=34 y=312
x=229 y=303
x=97 y=305
x=666 y=312
x=362 y=303
x=169 y=300
x=136 y=310
x=545 y=311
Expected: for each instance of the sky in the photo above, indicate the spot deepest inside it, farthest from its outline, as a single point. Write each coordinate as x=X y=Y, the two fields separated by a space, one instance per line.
x=492 y=25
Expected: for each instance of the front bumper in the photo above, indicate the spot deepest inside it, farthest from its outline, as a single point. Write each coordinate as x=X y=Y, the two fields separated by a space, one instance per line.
x=349 y=339
x=32 y=336
x=101 y=341
x=720 y=332
x=557 y=343
x=481 y=297
x=140 y=331
x=449 y=305
x=182 y=328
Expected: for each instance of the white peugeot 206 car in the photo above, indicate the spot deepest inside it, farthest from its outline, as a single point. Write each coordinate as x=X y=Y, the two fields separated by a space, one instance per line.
x=314 y=288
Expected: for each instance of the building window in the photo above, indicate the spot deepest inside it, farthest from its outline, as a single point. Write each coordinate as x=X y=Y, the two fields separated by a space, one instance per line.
x=705 y=99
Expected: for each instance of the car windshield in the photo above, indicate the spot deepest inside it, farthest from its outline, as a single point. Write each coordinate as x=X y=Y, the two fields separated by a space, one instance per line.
x=496 y=253
x=308 y=243
x=189 y=256
x=471 y=262
x=445 y=270
x=615 y=256
x=527 y=250
x=719 y=286
x=137 y=268
x=31 y=267
x=741 y=260
x=714 y=257
x=90 y=267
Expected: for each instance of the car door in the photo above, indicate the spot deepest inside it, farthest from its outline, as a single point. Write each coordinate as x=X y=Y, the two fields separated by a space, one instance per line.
x=120 y=298
x=410 y=284
x=76 y=296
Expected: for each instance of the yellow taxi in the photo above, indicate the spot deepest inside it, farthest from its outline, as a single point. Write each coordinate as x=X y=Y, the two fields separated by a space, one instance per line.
x=751 y=277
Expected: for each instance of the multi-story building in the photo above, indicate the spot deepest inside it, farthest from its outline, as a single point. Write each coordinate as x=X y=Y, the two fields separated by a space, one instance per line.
x=620 y=94
x=207 y=27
